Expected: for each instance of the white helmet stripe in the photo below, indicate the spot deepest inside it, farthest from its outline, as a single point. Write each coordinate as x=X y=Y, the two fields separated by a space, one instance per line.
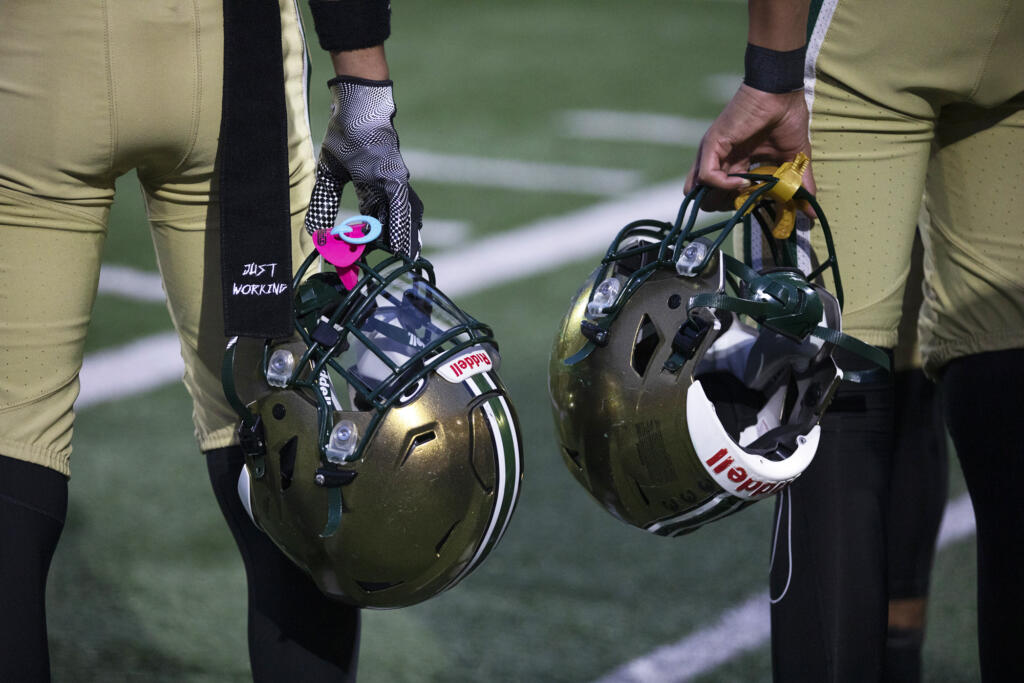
x=725 y=501
x=506 y=444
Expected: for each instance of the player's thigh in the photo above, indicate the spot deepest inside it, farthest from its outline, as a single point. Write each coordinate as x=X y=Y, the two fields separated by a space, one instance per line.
x=184 y=212
x=49 y=269
x=870 y=164
x=974 y=262
x=56 y=187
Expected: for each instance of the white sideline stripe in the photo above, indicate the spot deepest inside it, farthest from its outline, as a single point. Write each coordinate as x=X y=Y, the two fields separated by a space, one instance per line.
x=746 y=626
x=151 y=362
x=519 y=175
x=135 y=368
x=739 y=629
x=723 y=86
x=551 y=242
x=957 y=521
x=439 y=232
x=144 y=285
x=131 y=283
x=622 y=126
x=154 y=361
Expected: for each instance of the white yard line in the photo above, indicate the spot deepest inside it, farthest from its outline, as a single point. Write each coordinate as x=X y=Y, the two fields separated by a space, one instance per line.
x=519 y=175
x=442 y=233
x=745 y=626
x=150 y=362
x=721 y=87
x=131 y=283
x=621 y=126
x=145 y=285
x=143 y=365
x=551 y=242
x=527 y=250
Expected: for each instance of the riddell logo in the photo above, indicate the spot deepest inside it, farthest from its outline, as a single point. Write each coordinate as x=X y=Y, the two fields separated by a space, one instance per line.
x=327 y=390
x=463 y=367
x=470 y=362
x=736 y=479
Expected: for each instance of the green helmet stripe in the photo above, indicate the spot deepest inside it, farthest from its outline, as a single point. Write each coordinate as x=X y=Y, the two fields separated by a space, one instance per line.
x=506 y=442
x=510 y=439
x=719 y=506
x=507 y=467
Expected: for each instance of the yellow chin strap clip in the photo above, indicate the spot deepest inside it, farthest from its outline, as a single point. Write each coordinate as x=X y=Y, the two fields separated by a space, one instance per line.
x=790 y=177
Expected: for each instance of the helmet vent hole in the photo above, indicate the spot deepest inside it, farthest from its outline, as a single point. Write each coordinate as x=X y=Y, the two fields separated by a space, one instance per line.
x=444 y=539
x=417 y=441
x=640 y=490
x=287 y=454
x=374 y=586
x=574 y=456
x=644 y=345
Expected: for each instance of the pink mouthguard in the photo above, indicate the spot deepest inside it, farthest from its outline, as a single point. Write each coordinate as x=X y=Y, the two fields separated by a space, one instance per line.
x=341 y=254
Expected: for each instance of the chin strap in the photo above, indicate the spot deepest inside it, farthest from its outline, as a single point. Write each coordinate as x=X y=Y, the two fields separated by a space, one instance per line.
x=334 y=506
x=250 y=428
x=789 y=307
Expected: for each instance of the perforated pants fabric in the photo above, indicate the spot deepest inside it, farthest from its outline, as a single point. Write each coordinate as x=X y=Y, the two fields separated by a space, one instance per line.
x=133 y=86
x=905 y=101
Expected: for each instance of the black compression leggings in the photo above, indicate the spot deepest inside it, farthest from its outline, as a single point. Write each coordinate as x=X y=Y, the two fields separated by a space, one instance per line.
x=828 y=586
x=295 y=632
x=918 y=488
x=33 y=505
x=982 y=396
x=879 y=474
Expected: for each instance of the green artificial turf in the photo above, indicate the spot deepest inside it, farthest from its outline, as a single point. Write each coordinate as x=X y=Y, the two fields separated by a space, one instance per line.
x=147 y=585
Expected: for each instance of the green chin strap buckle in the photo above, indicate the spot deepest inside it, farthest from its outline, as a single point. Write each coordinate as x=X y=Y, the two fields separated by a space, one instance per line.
x=799 y=309
x=783 y=301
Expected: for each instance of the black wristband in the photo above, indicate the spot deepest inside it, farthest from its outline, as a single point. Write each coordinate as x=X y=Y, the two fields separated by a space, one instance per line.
x=351 y=24
x=359 y=81
x=774 y=71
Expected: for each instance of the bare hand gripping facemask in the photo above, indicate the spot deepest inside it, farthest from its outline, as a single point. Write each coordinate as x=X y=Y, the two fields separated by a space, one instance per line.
x=685 y=384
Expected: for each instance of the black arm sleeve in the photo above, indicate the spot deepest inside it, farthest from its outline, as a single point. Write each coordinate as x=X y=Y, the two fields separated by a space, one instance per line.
x=351 y=24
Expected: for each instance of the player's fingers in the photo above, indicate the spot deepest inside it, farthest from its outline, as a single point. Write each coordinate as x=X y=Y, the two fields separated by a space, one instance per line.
x=691 y=175
x=404 y=218
x=415 y=223
x=325 y=200
x=809 y=183
x=712 y=171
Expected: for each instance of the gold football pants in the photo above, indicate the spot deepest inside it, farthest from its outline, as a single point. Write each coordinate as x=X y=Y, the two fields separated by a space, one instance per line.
x=909 y=99
x=90 y=90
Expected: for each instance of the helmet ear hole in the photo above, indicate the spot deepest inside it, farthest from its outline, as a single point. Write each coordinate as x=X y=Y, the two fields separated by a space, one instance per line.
x=573 y=455
x=444 y=539
x=412 y=392
x=420 y=439
x=644 y=345
x=287 y=455
x=359 y=402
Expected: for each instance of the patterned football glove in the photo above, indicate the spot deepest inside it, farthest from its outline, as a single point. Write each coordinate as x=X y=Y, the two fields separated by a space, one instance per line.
x=361 y=145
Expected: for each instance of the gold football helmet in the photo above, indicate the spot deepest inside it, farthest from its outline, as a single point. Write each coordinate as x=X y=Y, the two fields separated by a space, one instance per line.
x=685 y=384
x=382 y=451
